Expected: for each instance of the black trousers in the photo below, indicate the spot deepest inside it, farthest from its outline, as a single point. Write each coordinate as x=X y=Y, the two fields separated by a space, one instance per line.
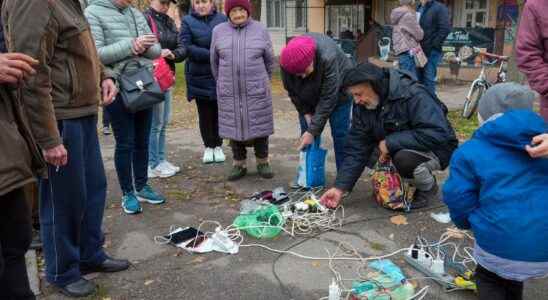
x=15 y=238
x=407 y=161
x=106 y=118
x=209 y=122
x=491 y=286
x=239 y=151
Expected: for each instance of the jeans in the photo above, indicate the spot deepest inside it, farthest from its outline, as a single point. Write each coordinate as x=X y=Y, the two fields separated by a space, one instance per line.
x=407 y=63
x=15 y=238
x=106 y=118
x=239 y=151
x=491 y=286
x=161 y=113
x=72 y=201
x=340 y=125
x=427 y=75
x=209 y=122
x=132 y=135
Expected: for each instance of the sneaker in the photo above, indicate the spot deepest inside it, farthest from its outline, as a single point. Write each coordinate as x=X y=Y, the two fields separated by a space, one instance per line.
x=208 y=156
x=236 y=173
x=163 y=171
x=106 y=130
x=152 y=173
x=147 y=194
x=423 y=198
x=218 y=155
x=171 y=166
x=265 y=171
x=130 y=204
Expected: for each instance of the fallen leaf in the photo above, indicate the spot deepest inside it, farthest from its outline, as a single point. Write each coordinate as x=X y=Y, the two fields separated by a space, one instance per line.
x=199 y=259
x=106 y=298
x=149 y=282
x=316 y=264
x=399 y=220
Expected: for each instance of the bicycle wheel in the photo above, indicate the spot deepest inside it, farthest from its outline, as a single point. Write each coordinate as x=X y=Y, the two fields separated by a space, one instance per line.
x=471 y=103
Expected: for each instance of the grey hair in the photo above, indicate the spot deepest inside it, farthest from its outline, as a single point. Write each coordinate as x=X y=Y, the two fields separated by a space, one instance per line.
x=407 y=2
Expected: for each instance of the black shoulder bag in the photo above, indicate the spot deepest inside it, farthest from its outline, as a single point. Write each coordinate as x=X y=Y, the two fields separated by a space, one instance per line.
x=138 y=88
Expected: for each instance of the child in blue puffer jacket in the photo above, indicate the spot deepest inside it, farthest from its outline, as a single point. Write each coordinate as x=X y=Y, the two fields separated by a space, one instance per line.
x=500 y=193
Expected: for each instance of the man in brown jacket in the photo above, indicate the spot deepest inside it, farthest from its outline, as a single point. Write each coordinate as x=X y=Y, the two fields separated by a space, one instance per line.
x=62 y=100
x=20 y=163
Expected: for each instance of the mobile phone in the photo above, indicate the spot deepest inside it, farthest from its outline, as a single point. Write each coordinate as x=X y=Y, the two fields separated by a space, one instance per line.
x=181 y=235
x=195 y=242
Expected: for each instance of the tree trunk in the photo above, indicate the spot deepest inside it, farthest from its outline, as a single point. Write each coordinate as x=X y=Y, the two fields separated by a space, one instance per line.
x=256 y=4
x=513 y=72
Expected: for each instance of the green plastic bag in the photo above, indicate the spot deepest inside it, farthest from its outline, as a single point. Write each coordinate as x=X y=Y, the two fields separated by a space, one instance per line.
x=263 y=223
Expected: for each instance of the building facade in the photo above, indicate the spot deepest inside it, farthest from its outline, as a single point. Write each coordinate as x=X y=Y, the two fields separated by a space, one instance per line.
x=486 y=24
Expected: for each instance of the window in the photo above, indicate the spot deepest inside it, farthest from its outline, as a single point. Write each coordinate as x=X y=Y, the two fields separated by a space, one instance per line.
x=300 y=13
x=475 y=13
x=275 y=13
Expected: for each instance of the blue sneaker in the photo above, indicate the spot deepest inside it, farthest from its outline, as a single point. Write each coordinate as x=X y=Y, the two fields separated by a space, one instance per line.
x=147 y=194
x=130 y=204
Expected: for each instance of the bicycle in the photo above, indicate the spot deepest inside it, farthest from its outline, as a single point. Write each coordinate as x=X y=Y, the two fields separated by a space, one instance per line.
x=482 y=84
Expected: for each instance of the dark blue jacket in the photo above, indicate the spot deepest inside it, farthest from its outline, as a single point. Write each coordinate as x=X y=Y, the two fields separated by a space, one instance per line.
x=499 y=191
x=408 y=117
x=435 y=23
x=196 y=32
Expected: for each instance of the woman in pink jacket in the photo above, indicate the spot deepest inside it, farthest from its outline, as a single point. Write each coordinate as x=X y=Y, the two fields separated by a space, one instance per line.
x=406 y=35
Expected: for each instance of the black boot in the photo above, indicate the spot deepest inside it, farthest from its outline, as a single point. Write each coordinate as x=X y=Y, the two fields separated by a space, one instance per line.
x=80 y=288
x=110 y=265
x=423 y=198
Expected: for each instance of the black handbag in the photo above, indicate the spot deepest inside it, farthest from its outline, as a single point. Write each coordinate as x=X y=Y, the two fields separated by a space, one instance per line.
x=138 y=88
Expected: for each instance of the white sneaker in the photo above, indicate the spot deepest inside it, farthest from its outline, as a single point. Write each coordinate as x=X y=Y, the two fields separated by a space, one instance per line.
x=208 y=156
x=152 y=173
x=218 y=155
x=163 y=172
x=169 y=166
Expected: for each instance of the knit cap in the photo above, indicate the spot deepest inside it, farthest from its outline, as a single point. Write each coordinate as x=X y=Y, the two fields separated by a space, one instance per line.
x=230 y=4
x=298 y=54
x=503 y=97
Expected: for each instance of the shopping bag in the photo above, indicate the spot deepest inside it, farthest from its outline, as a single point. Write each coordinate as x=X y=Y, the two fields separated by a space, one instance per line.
x=311 y=170
x=389 y=190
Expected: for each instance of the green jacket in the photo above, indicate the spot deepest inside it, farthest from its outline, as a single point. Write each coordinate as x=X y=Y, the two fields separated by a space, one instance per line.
x=114 y=29
x=67 y=84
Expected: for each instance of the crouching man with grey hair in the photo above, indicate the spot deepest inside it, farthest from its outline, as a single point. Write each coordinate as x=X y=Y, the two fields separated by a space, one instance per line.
x=397 y=116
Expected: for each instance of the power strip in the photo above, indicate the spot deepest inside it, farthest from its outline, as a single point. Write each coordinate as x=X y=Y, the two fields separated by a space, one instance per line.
x=430 y=267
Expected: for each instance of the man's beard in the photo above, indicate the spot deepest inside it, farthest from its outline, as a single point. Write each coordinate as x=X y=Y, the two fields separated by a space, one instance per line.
x=372 y=106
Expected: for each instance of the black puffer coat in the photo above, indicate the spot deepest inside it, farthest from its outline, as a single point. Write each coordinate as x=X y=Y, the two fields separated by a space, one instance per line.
x=408 y=117
x=168 y=35
x=322 y=91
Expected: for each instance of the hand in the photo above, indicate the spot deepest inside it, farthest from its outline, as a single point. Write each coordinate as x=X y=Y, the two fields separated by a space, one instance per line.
x=308 y=118
x=331 y=198
x=56 y=156
x=541 y=146
x=385 y=154
x=109 y=91
x=166 y=53
x=306 y=139
x=148 y=40
x=138 y=47
x=15 y=67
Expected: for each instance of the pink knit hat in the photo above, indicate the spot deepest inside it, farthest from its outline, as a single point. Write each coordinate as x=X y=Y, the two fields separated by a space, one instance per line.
x=298 y=54
x=230 y=4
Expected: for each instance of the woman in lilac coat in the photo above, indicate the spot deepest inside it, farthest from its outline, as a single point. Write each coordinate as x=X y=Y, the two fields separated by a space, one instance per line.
x=242 y=59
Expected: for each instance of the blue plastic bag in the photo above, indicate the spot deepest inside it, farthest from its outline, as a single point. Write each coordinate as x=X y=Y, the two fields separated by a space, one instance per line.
x=311 y=170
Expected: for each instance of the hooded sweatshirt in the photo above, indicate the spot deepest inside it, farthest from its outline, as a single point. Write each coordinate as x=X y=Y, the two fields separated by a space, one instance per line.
x=499 y=192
